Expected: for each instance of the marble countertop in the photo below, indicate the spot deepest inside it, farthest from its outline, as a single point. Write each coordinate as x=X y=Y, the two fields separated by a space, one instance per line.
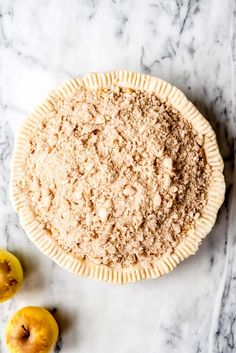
x=189 y=43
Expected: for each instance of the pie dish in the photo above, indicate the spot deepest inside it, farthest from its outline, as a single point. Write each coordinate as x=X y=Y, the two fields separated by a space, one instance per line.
x=117 y=176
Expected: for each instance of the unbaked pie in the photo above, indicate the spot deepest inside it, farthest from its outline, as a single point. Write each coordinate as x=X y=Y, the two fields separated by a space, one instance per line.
x=117 y=176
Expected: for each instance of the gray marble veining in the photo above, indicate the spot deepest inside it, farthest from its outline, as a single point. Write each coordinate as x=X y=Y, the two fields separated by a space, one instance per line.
x=190 y=43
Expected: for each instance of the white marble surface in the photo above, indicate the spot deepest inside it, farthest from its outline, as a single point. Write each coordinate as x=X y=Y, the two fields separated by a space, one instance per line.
x=189 y=43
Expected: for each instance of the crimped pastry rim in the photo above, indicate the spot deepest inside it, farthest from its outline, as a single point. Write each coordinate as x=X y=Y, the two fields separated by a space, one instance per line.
x=167 y=93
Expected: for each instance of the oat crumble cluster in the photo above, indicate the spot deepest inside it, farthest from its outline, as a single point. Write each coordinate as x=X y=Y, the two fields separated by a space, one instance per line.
x=116 y=176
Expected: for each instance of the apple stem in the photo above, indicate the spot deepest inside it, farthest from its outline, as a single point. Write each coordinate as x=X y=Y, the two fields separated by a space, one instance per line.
x=27 y=334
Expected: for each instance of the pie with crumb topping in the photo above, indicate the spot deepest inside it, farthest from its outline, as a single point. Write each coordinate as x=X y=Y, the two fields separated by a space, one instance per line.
x=117 y=176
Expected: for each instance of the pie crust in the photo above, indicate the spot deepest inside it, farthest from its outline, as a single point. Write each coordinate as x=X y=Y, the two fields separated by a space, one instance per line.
x=188 y=246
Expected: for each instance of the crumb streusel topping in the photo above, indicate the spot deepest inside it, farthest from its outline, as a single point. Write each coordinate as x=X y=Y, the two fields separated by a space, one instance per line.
x=116 y=176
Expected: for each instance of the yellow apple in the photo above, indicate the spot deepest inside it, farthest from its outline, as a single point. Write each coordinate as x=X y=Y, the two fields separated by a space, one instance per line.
x=31 y=330
x=11 y=275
